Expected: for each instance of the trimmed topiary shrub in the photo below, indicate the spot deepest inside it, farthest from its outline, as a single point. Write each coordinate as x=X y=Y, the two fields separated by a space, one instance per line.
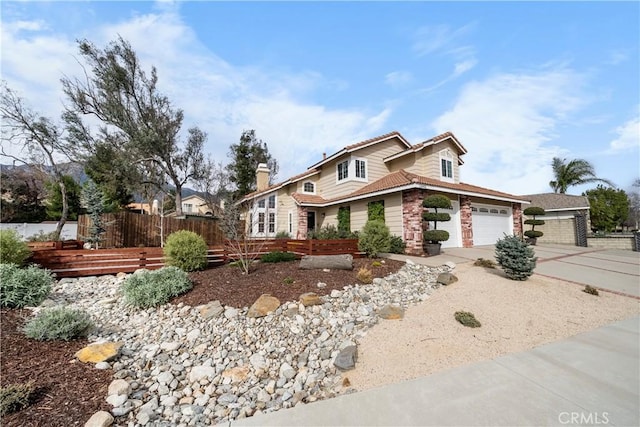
x=12 y=249
x=516 y=257
x=14 y=397
x=24 y=287
x=186 y=250
x=152 y=288
x=374 y=238
x=397 y=245
x=58 y=323
x=278 y=257
x=534 y=211
x=467 y=319
x=435 y=202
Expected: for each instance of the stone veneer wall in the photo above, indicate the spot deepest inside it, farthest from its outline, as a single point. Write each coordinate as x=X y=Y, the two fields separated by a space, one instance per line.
x=412 y=220
x=517 y=218
x=302 y=223
x=466 y=222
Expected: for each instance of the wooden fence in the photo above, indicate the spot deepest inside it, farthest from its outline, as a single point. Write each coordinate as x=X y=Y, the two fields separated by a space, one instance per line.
x=70 y=262
x=129 y=229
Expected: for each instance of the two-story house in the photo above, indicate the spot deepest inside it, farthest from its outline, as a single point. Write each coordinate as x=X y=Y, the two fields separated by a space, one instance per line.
x=391 y=172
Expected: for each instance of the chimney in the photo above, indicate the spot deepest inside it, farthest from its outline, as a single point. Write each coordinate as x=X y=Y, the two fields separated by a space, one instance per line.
x=324 y=156
x=262 y=177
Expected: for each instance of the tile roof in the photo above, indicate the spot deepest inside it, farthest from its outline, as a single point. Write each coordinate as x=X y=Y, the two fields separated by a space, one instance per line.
x=557 y=201
x=400 y=179
x=374 y=139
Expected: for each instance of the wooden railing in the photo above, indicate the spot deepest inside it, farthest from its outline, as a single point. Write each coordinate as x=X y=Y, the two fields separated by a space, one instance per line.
x=71 y=262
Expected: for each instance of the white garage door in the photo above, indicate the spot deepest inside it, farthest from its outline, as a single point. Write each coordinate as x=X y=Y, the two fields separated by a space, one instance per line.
x=490 y=223
x=453 y=226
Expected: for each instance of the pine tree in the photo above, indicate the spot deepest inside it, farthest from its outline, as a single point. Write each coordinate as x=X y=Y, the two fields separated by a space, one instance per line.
x=94 y=202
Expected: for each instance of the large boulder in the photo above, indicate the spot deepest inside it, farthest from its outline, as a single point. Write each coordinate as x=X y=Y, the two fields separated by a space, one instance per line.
x=310 y=298
x=263 y=306
x=446 y=279
x=347 y=357
x=391 y=312
x=101 y=352
x=330 y=262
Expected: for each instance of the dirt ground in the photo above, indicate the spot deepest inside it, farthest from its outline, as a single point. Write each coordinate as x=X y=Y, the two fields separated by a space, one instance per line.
x=515 y=316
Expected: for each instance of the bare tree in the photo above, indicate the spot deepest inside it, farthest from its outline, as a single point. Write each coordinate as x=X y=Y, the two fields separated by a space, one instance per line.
x=39 y=142
x=238 y=241
x=213 y=186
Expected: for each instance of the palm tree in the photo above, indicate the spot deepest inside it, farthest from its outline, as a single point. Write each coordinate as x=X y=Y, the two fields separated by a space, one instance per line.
x=576 y=172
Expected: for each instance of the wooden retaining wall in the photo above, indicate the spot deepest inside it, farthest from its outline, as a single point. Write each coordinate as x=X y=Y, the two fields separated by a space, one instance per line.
x=72 y=262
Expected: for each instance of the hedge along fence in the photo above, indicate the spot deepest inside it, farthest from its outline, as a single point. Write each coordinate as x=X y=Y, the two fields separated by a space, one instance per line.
x=87 y=262
x=129 y=229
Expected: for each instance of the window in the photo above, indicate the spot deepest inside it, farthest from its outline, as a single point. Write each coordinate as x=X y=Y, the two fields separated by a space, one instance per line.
x=261 y=222
x=261 y=204
x=272 y=201
x=446 y=165
x=494 y=211
x=447 y=169
x=187 y=207
x=361 y=169
x=309 y=187
x=343 y=170
x=272 y=222
x=503 y=212
x=290 y=223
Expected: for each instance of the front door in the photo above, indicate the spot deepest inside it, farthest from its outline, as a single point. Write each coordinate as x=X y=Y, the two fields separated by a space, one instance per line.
x=311 y=221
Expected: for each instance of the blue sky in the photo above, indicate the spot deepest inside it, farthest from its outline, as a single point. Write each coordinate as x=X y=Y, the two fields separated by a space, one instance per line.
x=518 y=83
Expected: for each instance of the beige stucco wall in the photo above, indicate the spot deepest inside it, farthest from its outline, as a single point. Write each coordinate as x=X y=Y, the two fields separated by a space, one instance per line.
x=392 y=213
x=329 y=187
x=426 y=162
x=285 y=205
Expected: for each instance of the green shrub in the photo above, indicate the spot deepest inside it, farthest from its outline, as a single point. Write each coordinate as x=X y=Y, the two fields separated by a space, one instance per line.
x=435 y=202
x=12 y=249
x=152 y=288
x=186 y=250
x=23 y=287
x=534 y=211
x=42 y=237
x=344 y=219
x=278 y=257
x=397 y=245
x=467 y=319
x=288 y=280
x=591 y=290
x=14 y=397
x=330 y=232
x=282 y=235
x=58 y=323
x=487 y=263
x=374 y=238
x=516 y=257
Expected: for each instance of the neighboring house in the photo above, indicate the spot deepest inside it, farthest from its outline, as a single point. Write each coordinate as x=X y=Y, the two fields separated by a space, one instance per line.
x=390 y=171
x=560 y=218
x=193 y=205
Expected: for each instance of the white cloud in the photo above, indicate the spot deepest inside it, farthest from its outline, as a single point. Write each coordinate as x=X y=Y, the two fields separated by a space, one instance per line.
x=463 y=67
x=398 y=78
x=507 y=122
x=628 y=136
x=220 y=98
x=429 y=39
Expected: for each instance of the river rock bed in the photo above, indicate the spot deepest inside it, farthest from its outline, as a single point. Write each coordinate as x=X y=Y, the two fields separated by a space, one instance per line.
x=204 y=365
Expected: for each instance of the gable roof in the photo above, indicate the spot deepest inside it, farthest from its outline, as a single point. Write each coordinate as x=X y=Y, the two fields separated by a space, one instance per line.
x=403 y=180
x=279 y=185
x=429 y=142
x=558 y=201
x=363 y=144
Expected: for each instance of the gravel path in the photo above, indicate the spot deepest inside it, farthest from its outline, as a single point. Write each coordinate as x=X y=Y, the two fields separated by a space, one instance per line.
x=515 y=316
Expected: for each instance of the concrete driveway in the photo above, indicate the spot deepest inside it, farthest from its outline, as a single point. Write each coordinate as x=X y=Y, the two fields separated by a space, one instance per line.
x=607 y=269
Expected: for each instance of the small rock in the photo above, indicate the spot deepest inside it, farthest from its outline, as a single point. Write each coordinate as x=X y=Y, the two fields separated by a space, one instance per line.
x=237 y=374
x=258 y=361
x=391 y=312
x=213 y=309
x=446 y=279
x=199 y=372
x=310 y=298
x=263 y=306
x=116 y=400
x=193 y=335
x=347 y=357
x=450 y=264
x=170 y=346
x=227 y=398
x=287 y=371
x=119 y=387
x=321 y=285
x=103 y=365
x=231 y=313
x=102 y=352
x=100 y=419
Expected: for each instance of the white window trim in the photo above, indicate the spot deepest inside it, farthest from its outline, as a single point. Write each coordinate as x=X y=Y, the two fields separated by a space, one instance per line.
x=266 y=210
x=446 y=155
x=312 y=183
x=351 y=170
